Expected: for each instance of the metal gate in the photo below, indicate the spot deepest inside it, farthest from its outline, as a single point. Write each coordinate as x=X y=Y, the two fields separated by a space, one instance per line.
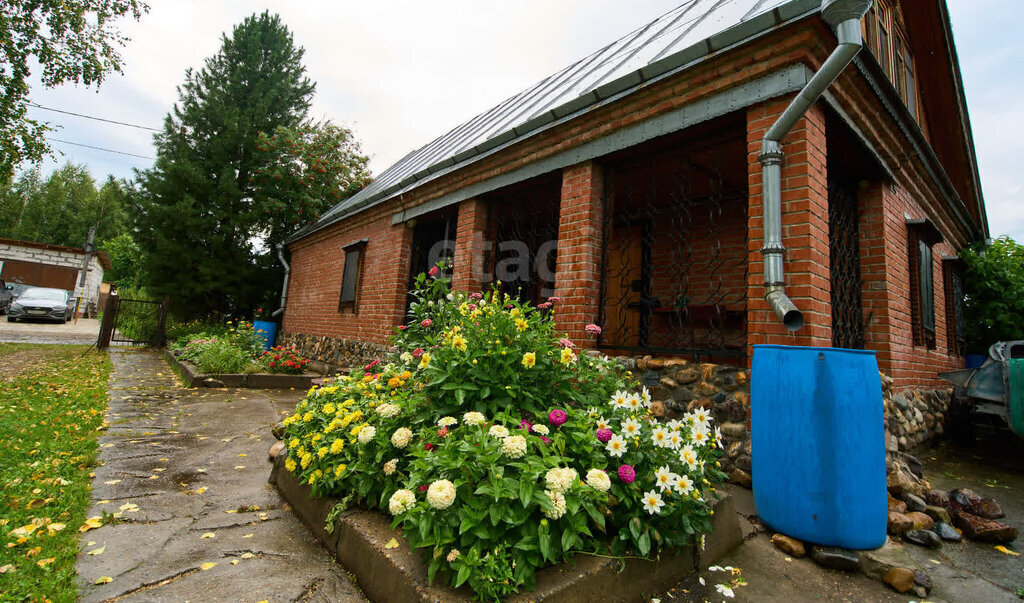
x=133 y=322
x=844 y=258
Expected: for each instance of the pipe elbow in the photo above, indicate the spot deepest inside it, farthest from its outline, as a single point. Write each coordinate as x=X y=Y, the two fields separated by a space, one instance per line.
x=785 y=309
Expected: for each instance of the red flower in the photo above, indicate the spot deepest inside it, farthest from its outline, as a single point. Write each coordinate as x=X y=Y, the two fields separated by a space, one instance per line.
x=417 y=353
x=428 y=446
x=272 y=365
x=367 y=368
x=434 y=271
x=277 y=356
x=426 y=323
x=443 y=432
x=423 y=488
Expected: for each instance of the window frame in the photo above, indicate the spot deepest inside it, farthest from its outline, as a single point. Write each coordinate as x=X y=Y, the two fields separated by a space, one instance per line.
x=886 y=37
x=952 y=277
x=359 y=249
x=922 y=236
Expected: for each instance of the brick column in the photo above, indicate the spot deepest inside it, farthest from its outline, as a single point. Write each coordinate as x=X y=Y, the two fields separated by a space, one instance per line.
x=470 y=246
x=578 y=265
x=804 y=229
x=875 y=273
x=398 y=285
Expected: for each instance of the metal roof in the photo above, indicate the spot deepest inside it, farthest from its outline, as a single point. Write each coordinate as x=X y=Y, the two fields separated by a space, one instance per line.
x=677 y=39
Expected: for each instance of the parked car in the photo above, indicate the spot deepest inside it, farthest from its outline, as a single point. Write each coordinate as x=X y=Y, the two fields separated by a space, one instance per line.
x=41 y=303
x=6 y=296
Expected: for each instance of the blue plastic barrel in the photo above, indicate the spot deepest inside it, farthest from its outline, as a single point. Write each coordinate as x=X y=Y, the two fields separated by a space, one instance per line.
x=818 y=444
x=267 y=331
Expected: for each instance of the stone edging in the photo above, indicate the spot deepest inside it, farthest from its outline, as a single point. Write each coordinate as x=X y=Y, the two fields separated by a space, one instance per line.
x=400 y=574
x=193 y=378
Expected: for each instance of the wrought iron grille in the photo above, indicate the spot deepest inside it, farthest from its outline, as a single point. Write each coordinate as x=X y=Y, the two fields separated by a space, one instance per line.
x=674 y=274
x=523 y=223
x=844 y=259
x=433 y=243
x=954 y=286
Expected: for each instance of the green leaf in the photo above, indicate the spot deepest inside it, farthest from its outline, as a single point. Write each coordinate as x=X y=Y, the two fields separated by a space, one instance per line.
x=568 y=540
x=544 y=540
x=460 y=397
x=495 y=512
x=463 y=575
x=644 y=543
x=526 y=488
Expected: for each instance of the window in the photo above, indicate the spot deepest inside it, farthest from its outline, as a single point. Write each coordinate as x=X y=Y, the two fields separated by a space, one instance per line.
x=351 y=275
x=887 y=39
x=952 y=277
x=922 y=236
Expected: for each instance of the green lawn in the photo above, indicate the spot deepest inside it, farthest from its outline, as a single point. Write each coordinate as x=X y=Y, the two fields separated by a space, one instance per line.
x=52 y=405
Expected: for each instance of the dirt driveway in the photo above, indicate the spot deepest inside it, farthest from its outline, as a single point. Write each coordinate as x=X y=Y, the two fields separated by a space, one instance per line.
x=84 y=331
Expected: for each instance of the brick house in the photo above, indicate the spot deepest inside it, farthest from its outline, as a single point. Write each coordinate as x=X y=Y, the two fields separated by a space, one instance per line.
x=632 y=186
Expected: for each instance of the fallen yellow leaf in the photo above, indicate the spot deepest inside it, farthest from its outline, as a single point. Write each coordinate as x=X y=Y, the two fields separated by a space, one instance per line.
x=239 y=466
x=56 y=527
x=391 y=544
x=129 y=507
x=209 y=535
x=103 y=580
x=45 y=562
x=6 y=568
x=98 y=551
x=247 y=555
x=247 y=536
x=200 y=490
x=207 y=565
x=242 y=454
x=234 y=562
x=112 y=482
x=91 y=524
x=1006 y=551
x=102 y=502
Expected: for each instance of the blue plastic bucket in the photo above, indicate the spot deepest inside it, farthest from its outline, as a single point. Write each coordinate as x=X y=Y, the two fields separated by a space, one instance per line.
x=267 y=332
x=818 y=444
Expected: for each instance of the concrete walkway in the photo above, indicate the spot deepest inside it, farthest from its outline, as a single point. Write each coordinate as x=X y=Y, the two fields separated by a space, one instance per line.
x=187 y=470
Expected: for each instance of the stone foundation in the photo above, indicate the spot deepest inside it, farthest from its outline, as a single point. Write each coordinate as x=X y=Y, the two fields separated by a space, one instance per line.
x=330 y=355
x=913 y=418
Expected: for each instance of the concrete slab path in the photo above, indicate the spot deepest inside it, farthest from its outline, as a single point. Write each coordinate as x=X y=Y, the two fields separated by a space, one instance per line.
x=187 y=471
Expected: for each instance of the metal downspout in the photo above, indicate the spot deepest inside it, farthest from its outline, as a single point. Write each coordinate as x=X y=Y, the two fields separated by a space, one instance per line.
x=844 y=16
x=284 y=286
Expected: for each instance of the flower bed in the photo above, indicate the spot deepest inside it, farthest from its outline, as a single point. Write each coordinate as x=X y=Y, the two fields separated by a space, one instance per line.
x=499 y=447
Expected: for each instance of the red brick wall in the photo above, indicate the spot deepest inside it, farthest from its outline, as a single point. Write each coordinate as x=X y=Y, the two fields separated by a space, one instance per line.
x=804 y=229
x=317 y=265
x=577 y=272
x=470 y=246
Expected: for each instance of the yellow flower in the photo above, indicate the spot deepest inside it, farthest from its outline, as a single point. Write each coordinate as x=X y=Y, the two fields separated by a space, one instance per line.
x=567 y=356
x=328 y=408
x=529 y=359
x=339 y=469
x=322 y=452
x=425 y=360
x=521 y=324
x=289 y=464
x=317 y=437
x=337 y=445
x=306 y=460
x=515 y=312
x=294 y=443
x=307 y=417
x=406 y=375
x=458 y=342
x=394 y=382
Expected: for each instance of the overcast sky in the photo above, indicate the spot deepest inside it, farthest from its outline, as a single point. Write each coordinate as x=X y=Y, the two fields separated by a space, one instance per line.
x=401 y=73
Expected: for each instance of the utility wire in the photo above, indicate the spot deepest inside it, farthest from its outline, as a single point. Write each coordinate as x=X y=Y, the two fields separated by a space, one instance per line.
x=109 y=121
x=88 y=146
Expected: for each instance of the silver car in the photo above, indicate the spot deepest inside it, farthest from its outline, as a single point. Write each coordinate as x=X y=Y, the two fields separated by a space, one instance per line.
x=43 y=304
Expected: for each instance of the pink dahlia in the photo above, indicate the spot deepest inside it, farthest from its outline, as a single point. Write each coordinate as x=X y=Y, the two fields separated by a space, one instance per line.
x=627 y=474
x=417 y=353
x=426 y=323
x=434 y=271
x=604 y=435
x=557 y=417
x=592 y=328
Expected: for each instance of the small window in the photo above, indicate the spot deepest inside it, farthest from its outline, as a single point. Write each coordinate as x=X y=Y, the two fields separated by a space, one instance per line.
x=952 y=277
x=351 y=275
x=922 y=236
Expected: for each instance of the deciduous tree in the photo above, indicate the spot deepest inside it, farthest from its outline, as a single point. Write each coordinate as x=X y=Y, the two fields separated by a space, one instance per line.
x=71 y=41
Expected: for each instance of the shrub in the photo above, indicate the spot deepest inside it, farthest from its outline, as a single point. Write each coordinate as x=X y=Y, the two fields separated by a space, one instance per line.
x=994 y=293
x=282 y=359
x=499 y=447
x=233 y=348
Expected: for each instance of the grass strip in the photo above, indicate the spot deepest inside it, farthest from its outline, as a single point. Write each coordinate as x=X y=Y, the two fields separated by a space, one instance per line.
x=51 y=411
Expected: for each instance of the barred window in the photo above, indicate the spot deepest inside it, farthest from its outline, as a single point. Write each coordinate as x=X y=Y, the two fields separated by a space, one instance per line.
x=952 y=276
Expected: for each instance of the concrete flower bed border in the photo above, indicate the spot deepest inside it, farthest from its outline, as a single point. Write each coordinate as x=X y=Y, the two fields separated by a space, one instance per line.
x=399 y=574
x=193 y=378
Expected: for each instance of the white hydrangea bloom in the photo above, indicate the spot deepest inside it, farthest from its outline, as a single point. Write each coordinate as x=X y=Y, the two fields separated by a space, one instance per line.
x=401 y=437
x=388 y=410
x=514 y=447
x=406 y=357
x=598 y=480
x=441 y=494
x=560 y=479
x=473 y=418
x=401 y=501
x=366 y=434
x=558 y=500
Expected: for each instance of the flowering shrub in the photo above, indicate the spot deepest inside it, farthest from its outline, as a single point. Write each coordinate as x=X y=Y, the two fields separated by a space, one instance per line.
x=500 y=447
x=284 y=359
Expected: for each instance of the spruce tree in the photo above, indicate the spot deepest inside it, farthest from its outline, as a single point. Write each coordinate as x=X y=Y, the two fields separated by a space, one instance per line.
x=199 y=225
